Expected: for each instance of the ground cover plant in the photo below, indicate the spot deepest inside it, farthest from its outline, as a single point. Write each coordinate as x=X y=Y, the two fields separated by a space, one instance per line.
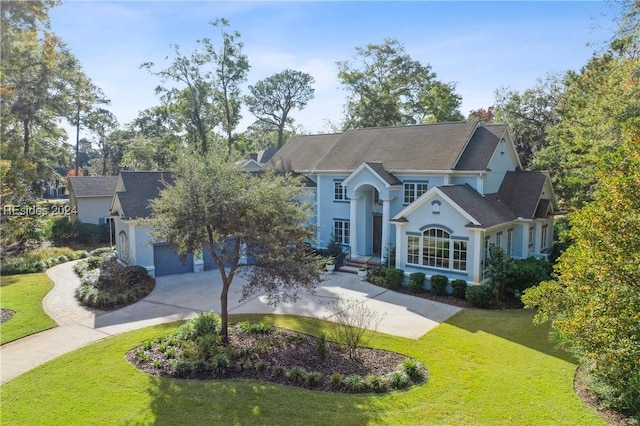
x=260 y=351
x=105 y=284
x=40 y=259
x=485 y=367
x=23 y=295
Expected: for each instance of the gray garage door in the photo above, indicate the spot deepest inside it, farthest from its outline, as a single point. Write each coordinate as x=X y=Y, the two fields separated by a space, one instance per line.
x=167 y=261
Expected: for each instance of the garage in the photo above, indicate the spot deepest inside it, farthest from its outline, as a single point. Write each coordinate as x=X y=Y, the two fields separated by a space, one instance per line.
x=168 y=262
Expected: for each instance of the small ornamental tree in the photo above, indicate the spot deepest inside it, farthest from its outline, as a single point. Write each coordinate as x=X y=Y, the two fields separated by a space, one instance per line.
x=238 y=217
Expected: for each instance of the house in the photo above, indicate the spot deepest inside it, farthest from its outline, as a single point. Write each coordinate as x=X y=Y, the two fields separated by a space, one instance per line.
x=130 y=204
x=435 y=196
x=90 y=198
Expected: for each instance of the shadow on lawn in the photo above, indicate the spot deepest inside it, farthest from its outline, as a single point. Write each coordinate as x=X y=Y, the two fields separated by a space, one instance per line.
x=176 y=401
x=514 y=325
x=6 y=281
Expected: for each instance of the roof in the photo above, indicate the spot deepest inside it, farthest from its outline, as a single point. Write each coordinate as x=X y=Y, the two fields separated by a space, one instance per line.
x=93 y=186
x=481 y=147
x=139 y=189
x=417 y=147
x=522 y=190
x=388 y=177
x=488 y=210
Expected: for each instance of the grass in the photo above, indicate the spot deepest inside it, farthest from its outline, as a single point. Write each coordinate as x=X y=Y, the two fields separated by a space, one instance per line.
x=486 y=367
x=23 y=294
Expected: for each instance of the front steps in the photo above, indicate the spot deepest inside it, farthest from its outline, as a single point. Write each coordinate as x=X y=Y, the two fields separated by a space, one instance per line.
x=352 y=265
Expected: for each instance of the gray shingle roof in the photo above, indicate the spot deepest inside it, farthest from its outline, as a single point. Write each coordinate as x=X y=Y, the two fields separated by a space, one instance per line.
x=488 y=210
x=481 y=147
x=419 y=147
x=140 y=188
x=93 y=186
x=522 y=190
x=388 y=177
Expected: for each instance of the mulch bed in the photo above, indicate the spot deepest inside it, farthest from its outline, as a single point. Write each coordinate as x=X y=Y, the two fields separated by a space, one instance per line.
x=6 y=315
x=268 y=357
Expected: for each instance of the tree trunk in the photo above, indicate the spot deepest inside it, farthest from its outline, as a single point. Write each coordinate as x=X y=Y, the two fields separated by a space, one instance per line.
x=26 y=136
x=224 y=313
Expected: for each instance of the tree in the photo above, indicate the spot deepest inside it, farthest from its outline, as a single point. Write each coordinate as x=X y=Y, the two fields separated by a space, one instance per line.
x=530 y=115
x=231 y=68
x=596 y=300
x=273 y=98
x=102 y=123
x=208 y=91
x=485 y=116
x=388 y=88
x=237 y=216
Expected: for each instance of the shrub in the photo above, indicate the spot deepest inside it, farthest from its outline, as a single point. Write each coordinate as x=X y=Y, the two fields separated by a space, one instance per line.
x=297 y=375
x=203 y=324
x=459 y=288
x=413 y=368
x=335 y=380
x=220 y=363
x=377 y=383
x=480 y=296
x=353 y=321
x=416 y=282
x=528 y=273
x=399 y=379
x=102 y=250
x=313 y=378
x=255 y=327
x=133 y=275
x=321 y=347
x=355 y=383
x=394 y=278
x=439 y=284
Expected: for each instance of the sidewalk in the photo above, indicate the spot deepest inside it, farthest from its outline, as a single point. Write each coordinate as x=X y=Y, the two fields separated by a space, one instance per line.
x=179 y=297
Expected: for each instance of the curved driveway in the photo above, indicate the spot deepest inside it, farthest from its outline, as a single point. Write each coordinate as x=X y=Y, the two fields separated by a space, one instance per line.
x=178 y=297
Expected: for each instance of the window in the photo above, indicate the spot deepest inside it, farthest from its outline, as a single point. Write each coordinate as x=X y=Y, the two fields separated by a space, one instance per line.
x=509 y=242
x=339 y=191
x=437 y=249
x=499 y=239
x=413 y=249
x=543 y=243
x=413 y=191
x=435 y=207
x=486 y=248
x=531 y=235
x=341 y=231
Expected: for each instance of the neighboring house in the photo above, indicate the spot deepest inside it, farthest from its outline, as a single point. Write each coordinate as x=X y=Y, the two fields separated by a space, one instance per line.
x=257 y=160
x=437 y=196
x=90 y=198
x=134 y=243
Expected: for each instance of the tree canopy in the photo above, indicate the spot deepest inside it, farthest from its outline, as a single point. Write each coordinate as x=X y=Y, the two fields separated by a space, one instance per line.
x=389 y=88
x=256 y=226
x=273 y=98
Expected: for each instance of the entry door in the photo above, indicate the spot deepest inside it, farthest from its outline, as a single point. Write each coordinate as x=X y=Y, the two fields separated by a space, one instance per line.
x=377 y=234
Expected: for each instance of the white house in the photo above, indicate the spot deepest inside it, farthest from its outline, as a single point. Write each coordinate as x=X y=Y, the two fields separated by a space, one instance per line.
x=437 y=195
x=90 y=198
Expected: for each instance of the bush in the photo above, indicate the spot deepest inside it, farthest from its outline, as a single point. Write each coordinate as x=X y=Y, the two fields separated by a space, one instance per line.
x=220 y=363
x=63 y=232
x=414 y=369
x=416 y=282
x=399 y=379
x=528 y=273
x=480 y=296
x=394 y=278
x=459 y=288
x=297 y=375
x=355 y=383
x=439 y=284
x=321 y=347
x=255 y=327
x=376 y=383
x=203 y=324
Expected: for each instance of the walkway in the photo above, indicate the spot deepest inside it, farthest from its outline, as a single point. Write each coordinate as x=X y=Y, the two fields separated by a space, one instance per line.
x=179 y=297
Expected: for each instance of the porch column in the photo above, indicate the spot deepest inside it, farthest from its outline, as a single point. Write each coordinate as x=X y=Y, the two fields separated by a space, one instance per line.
x=524 y=247
x=353 y=225
x=476 y=255
x=386 y=208
x=537 y=238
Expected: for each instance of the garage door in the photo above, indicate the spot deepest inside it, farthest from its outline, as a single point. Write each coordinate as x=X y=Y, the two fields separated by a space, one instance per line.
x=168 y=262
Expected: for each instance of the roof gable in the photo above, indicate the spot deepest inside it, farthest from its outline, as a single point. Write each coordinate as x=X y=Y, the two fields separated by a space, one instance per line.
x=138 y=189
x=481 y=147
x=92 y=186
x=376 y=169
x=522 y=191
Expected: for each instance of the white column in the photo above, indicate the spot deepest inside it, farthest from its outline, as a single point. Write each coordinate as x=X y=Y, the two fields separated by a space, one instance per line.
x=386 y=208
x=401 y=247
x=525 y=240
x=353 y=225
x=537 y=238
x=477 y=251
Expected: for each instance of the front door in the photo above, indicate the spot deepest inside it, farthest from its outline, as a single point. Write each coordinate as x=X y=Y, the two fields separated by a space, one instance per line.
x=377 y=234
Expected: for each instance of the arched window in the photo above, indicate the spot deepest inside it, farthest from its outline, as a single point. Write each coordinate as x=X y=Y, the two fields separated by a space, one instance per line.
x=124 y=247
x=437 y=248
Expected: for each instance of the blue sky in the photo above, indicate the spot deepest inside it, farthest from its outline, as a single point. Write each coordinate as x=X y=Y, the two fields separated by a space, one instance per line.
x=481 y=46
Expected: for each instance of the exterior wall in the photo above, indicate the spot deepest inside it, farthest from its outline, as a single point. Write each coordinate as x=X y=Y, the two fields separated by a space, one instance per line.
x=501 y=162
x=92 y=209
x=327 y=209
x=447 y=218
x=143 y=247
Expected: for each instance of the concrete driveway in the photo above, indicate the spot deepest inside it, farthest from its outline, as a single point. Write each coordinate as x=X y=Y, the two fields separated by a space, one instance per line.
x=179 y=297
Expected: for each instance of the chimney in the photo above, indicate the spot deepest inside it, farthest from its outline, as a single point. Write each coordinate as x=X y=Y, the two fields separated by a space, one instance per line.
x=254 y=156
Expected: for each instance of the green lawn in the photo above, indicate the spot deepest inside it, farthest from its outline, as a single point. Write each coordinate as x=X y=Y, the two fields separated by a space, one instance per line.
x=23 y=294
x=486 y=367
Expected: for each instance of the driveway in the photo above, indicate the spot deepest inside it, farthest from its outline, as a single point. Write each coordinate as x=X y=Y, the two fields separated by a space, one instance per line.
x=179 y=297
